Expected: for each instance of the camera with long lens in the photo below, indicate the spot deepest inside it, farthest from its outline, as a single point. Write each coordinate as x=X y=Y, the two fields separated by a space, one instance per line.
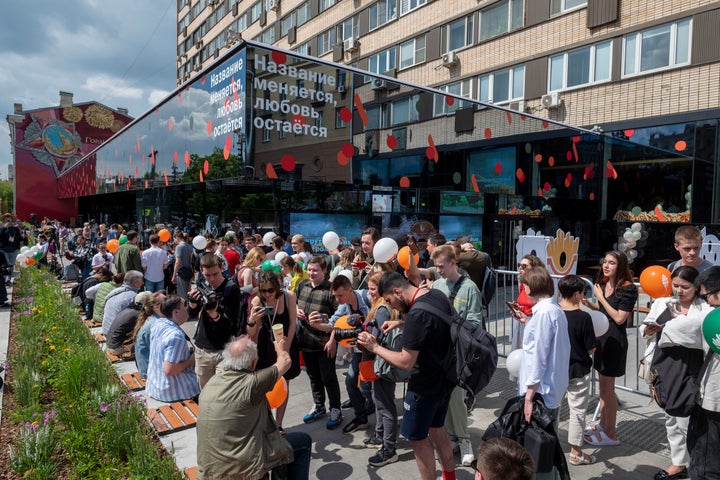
x=209 y=298
x=357 y=324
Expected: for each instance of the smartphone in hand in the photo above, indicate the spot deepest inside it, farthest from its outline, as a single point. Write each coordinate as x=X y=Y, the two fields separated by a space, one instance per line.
x=514 y=309
x=412 y=245
x=360 y=265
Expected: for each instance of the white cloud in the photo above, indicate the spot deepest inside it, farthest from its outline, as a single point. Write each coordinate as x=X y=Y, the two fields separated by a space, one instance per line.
x=106 y=86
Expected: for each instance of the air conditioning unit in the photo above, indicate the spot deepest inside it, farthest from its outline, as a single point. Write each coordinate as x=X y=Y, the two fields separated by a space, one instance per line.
x=378 y=84
x=341 y=88
x=351 y=45
x=274 y=5
x=199 y=44
x=518 y=106
x=184 y=32
x=449 y=59
x=551 y=100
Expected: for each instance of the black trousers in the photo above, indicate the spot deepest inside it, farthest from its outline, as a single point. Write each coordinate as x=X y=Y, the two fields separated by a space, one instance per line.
x=323 y=378
x=703 y=440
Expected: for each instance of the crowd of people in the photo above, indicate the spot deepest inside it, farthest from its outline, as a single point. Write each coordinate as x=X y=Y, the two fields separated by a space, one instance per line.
x=262 y=310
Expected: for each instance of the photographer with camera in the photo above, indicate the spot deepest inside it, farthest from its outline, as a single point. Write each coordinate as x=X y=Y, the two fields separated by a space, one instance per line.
x=103 y=259
x=221 y=310
x=352 y=303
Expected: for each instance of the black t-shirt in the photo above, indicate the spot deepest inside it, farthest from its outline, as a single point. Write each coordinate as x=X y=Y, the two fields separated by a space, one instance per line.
x=123 y=325
x=214 y=335
x=582 y=339
x=430 y=336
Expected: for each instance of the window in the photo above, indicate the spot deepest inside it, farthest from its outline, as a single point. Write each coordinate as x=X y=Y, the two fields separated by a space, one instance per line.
x=657 y=48
x=579 y=67
x=410 y=5
x=325 y=4
x=501 y=18
x=268 y=36
x=266 y=135
x=458 y=34
x=242 y=23
x=382 y=62
x=255 y=12
x=320 y=119
x=377 y=117
x=561 y=6
x=412 y=52
x=348 y=29
x=382 y=12
x=297 y=17
x=326 y=40
x=403 y=111
x=303 y=48
x=502 y=86
x=339 y=122
x=462 y=88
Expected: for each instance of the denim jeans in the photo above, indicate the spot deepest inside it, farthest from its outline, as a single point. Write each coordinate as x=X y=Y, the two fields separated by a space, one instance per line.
x=301 y=443
x=151 y=286
x=360 y=397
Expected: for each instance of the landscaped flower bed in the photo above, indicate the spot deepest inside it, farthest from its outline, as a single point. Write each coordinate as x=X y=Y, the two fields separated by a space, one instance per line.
x=65 y=414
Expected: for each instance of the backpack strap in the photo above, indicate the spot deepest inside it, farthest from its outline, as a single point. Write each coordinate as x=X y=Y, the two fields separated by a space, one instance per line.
x=456 y=289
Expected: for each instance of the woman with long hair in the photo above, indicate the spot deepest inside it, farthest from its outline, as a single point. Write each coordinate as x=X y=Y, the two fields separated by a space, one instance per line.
x=675 y=325
x=279 y=308
x=141 y=333
x=247 y=273
x=293 y=272
x=616 y=295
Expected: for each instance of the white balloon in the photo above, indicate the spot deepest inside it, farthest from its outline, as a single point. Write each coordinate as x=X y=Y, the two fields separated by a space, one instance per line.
x=513 y=362
x=622 y=247
x=268 y=238
x=24 y=249
x=280 y=255
x=628 y=235
x=34 y=249
x=636 y=227
x=631 y=244
x=632 y=254
x=21 y=259
x=346 y=273
x=637 y=236
x=600 y=322
x=385 y=249
x=331 y=240
x=199 y=242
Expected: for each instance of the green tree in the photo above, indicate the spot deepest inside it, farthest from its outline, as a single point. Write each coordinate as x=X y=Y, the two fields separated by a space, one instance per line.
x=6 y=197
x=205 y=201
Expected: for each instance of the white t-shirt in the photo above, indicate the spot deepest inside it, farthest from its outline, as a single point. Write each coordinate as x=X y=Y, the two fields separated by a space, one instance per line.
x=154 y=259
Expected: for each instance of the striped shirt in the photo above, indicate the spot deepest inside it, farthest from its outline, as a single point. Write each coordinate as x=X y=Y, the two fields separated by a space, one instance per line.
x=168 y=344
x=316 y=299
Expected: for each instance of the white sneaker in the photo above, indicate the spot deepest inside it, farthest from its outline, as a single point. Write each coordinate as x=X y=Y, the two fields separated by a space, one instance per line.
x=466 y=452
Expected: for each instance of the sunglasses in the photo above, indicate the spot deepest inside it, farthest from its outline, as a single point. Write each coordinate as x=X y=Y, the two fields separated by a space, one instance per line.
x=704 y=296
x=266 y=290
x=522 y=266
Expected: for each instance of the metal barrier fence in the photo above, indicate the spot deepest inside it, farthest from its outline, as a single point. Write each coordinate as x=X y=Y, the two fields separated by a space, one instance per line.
x=502 y=326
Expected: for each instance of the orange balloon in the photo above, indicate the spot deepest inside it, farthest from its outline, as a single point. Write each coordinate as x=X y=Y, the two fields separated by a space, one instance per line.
x=113 y=245
x=278 y=394
x=403 y=257
x=342 y=323
x=656 y=281
x=164 y=235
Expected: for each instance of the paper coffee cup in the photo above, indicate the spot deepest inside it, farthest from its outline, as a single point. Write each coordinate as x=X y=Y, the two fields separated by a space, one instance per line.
x=277 y=330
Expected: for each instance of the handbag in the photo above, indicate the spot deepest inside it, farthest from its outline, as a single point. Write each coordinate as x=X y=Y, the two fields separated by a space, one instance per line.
x=541 y=447
x=646 y=360
x=674 y=382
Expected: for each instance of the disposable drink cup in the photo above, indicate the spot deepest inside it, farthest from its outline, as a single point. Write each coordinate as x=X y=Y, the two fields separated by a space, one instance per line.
x=277 y=331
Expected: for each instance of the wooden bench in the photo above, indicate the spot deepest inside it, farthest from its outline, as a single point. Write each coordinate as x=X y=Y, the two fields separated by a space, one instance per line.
x=99 y=337
x=173 y=417
x=113 y=358
x=92 y=323
x=133 y=381
x=191 y=473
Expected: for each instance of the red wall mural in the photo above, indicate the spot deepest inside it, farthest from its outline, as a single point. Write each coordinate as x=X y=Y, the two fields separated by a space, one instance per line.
x=51 y=141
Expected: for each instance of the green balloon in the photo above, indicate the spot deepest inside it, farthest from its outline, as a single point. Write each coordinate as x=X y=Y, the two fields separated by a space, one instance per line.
x=123 y=239
x=267 y=265
x=711 y=330
x=38 y=255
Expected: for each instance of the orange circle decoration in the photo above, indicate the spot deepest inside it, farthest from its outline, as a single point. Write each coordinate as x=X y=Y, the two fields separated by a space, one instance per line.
x=520 y=175
x=112 y=245
x=342 y=324
x=592 y=196
x=164 y=235
x=403 y=257
x=449 y=100
x=342 y=159
x=680 y=145
x=279 y=57
x=656 y=281
x=287 y=162
x=209 y=127
x=498 y=168
x=538 y=158
x=488 y=133
x=405 y=182
x=278 y=394
x=629 y=133
x=546 y=186
x=551 y=161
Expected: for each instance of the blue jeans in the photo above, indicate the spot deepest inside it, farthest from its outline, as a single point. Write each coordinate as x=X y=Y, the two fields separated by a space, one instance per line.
x=154 y=286
x=301 y=443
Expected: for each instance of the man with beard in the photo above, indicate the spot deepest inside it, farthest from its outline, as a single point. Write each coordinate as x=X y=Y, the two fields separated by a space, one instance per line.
x=426 y=339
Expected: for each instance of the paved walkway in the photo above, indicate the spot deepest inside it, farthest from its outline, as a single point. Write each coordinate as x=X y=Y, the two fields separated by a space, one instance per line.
x=338 y=456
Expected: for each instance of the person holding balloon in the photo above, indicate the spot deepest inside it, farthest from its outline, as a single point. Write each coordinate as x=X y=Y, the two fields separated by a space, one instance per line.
x=582 y=345
x=676 y=323
x=616 y=297
x=703 y=437
x=279 y=307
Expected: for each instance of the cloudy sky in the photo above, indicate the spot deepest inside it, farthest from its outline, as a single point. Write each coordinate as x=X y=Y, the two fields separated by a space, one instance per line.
x=120 y=53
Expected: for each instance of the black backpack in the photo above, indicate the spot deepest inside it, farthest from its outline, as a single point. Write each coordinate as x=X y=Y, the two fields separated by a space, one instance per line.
x=471 y=360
